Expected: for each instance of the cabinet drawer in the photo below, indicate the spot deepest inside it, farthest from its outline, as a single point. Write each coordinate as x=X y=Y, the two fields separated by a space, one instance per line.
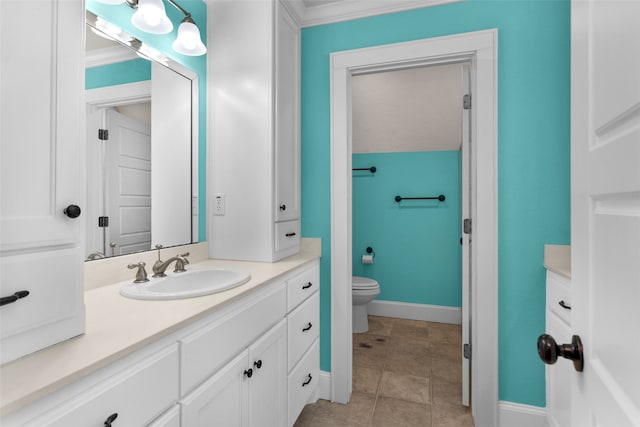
x=171 y=418
x=302 y=286
x=559 y=377
x=303 y=328
x=137 y=395
x=206 y=350
x=287 y=235
x=303 y=381
x=559 y=296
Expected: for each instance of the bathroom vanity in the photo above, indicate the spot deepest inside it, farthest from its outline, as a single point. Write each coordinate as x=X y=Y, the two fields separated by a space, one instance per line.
x=245 y=356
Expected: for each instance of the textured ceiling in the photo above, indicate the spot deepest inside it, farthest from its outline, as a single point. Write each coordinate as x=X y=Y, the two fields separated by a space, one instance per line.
x=418 y=109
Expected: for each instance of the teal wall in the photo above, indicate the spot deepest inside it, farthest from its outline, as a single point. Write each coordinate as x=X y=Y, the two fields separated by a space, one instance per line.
x=533 y=155
x=136 y=70
x=416 y=242
x=120 y=15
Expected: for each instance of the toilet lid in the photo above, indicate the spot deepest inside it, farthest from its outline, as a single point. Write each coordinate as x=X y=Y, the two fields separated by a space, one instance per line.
x=363 y=283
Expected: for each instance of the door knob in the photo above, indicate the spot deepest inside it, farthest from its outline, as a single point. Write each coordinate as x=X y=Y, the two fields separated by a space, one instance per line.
x=549 y=350
x=72 y=211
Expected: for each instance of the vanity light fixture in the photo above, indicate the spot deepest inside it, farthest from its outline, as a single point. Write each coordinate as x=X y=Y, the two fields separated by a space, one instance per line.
x=151 y=17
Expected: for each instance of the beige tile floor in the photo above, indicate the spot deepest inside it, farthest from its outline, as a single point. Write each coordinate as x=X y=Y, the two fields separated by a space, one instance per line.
x=405 y=373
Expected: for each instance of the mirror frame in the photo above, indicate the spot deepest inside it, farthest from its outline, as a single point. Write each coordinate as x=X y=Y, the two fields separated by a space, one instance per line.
x=137 y=92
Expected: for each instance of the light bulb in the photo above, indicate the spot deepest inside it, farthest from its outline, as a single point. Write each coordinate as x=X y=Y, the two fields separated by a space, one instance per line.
x=188 y=41
x=151 y=17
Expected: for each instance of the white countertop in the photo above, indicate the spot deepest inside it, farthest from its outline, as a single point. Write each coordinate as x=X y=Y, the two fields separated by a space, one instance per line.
x=557 y=258
x=109 y=334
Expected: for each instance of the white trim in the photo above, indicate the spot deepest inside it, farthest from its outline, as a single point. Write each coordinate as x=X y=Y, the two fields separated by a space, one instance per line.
x=324 y=386
x=109 y=55
x=517 y=415
x=345 y=10
x=110 y=96
x=425 y=312
x=481 y=49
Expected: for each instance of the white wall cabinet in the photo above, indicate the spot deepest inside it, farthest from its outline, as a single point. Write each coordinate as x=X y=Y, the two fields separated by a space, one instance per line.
x=559 y=375
x=41 y=174
x=254 y=91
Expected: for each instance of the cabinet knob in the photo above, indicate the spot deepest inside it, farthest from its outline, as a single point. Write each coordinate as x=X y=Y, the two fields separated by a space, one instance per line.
x=248 y=373
x=549 y=350
x=72 y=211
x=258 y=364
x=13 y=298
x=283 y=207
x=110 y=419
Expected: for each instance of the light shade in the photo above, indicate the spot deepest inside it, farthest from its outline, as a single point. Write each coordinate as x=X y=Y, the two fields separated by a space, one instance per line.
x=188 y=41
x=151 y=17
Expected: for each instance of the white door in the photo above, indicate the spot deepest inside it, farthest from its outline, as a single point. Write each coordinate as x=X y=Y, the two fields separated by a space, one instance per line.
x=465 y=170
x=605 y=234
x=128 y=176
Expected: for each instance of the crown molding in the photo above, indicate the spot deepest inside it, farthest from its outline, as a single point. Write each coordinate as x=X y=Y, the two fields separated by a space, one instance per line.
x=108 y=55
x=353 y=9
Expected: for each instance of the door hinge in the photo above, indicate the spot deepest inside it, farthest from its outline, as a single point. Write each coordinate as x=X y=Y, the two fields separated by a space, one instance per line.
x=466 y=101
x=103 y=134
x=466 y=351
x=103 y=221
x=466 y=226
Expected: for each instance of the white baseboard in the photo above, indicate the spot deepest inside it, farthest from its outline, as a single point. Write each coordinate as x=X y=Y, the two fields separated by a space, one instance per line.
x=406 y=310
x=517 y=415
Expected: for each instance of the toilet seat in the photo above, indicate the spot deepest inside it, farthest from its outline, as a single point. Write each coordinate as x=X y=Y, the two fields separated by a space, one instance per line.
x=359 y=283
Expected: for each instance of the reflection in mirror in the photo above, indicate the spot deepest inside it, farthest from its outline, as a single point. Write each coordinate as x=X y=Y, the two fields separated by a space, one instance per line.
x=141 y=146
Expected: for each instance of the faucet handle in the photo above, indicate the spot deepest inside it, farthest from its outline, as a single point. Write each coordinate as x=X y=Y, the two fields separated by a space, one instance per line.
x=141 y=274
x=181 y=261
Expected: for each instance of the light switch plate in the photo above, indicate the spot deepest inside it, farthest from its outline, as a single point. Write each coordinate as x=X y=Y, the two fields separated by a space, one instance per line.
x=218 y=204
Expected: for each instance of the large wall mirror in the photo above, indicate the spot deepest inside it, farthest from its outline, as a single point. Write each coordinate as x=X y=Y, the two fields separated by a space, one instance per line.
x=142 y=147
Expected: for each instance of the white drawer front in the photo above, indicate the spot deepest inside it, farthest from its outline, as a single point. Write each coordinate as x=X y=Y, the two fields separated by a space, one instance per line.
x=137 y=395
x=287 y=235
x=559 y=296
x=206 y=350
x=302 y=286
x=171 y=418
x=303 y=326
x=303 y=381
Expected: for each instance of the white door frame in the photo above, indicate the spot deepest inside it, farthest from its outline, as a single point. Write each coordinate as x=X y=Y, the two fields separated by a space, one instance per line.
x=480 y=48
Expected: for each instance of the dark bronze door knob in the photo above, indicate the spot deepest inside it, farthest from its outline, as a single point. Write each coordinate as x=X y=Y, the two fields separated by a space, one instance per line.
x=549 y=350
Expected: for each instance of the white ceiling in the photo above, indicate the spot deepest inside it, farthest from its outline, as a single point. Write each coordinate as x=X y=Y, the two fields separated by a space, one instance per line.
x=418 y=109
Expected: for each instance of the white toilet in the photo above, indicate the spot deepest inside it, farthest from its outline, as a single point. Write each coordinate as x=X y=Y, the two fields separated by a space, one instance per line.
x=363 y=290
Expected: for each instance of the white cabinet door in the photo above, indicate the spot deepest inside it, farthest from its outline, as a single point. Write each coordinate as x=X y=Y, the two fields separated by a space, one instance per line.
x=287 y=115
x=605 y=210
x=268 y=384
x=41 y=171
x=221 y=400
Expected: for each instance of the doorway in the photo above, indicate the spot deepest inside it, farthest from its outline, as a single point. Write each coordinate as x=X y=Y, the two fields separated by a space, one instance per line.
x=480 y=49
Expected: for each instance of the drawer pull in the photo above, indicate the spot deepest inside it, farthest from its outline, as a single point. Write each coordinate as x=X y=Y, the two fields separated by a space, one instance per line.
x=283 y=207
x=307 y=381
x=110 y=419
x=308 y=285
x=13 y=298
x=564 y=305
x=309 y=325
x=258 y=364
x=248 y=373
x=290 y=234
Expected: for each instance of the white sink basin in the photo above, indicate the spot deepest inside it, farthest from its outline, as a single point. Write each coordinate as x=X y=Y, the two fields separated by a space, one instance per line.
x=192 y=283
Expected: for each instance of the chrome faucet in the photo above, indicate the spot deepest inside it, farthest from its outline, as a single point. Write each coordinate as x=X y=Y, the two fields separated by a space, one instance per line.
x=160 y=266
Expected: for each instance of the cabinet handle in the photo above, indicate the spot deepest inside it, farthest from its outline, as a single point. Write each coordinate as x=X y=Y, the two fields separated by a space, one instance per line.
x=258 y=364
x=13 y=298
x=283 y=207
x=110 y=419
x=307 y=328
x=307 y=381
x=308 y=285
x=564 y=305
x=248 y=372
x=290 y=234
x=72 y=211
